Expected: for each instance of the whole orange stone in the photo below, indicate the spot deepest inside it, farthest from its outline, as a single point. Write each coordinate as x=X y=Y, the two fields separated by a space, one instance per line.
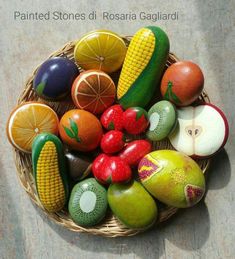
x=80 y=130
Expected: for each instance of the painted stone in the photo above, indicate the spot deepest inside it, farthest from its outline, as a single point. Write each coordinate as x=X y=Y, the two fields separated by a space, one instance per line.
x=55 y=77
x=80 y=130
x=182 y=83
x=100 y=49
x=88 y=203
x=112 y=118
x=79 y=165
x=143 y=67
x=111 y=169
x=135 y=120
x=50 y=171
x=162 y=117
x=132 y=205
x=202 y=131
x=172 y=177
x=134 y=151
x=28 y=120
x=93 y=91
x=112 y=142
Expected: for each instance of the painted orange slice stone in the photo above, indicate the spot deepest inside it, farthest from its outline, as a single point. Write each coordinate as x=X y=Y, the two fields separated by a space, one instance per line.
x=93 y=91
x=27 y=121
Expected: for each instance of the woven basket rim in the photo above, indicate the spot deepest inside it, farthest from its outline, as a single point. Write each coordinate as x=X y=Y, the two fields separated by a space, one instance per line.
x=111 y=227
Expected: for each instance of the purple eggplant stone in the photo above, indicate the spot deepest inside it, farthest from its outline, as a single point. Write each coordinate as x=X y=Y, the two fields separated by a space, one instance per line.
x=55 y=77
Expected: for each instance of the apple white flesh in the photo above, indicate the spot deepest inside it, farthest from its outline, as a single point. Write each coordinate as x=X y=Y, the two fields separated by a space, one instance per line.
x=201 y=131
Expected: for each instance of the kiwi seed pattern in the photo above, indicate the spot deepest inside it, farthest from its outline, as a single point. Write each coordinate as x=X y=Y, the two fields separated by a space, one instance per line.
x=88 y=202
x=162 y=117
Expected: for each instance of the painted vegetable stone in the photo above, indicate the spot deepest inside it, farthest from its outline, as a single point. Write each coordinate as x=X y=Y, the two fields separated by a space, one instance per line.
x=182 y=83
x=132 y=205
x=172 y=177
x=50 y=171
x=112 y=118
x=202 y=131
x=88 y=203
x=163 y=119
x=27 y=121
x=134 y=151
x=100 y=49
x=93 y=91
x=135 y=120
x=112 y=141
x=55 y=77
x=79 y=165
x=143 y=67
x=80 y=130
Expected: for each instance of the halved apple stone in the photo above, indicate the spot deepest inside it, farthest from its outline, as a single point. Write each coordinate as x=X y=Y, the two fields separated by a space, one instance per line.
x=201 y=132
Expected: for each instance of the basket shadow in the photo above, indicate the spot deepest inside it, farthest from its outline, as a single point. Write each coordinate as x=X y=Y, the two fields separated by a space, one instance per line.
x=119 y=245
x=188 y=229
x=219 y=173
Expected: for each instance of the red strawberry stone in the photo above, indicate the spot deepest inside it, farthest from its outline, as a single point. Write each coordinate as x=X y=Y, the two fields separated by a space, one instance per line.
x=112 y=118
x=115 y=170
x=97 y=166
x=135 y=120
x=134 y=151
x=113 y=141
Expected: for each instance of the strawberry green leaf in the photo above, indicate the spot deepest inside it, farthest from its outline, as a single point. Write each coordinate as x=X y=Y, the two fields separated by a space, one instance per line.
x=111 y=126
x=124 y=138
x=40 y=88
x=68 y=132
x=109 y=179
x=73 y=127
x=139 y=113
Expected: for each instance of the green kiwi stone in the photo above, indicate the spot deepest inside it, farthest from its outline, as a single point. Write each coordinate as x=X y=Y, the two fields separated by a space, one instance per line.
x=162 y=117
x=88 y=202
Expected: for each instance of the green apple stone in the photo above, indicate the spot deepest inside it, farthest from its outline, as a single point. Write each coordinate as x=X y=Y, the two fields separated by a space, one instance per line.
x=132 y=205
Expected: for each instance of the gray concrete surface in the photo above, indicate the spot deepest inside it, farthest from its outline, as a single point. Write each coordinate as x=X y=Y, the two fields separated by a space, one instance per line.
x=203 y=33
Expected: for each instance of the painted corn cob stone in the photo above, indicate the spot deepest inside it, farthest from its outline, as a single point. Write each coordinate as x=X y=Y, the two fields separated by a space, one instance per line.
x=50 y=172
x=143 y=67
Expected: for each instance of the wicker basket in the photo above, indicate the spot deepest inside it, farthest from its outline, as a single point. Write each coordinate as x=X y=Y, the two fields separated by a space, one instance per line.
x=110 y=226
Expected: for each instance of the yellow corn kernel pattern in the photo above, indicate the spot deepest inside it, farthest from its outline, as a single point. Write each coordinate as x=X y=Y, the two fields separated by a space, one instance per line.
x=137 y=58
x=49 y=183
